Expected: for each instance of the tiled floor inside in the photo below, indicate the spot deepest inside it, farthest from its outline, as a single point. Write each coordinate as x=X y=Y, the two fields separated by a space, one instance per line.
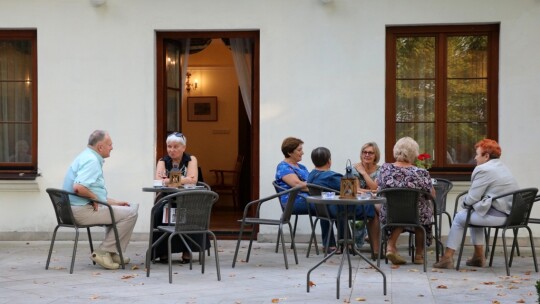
x=23 y=279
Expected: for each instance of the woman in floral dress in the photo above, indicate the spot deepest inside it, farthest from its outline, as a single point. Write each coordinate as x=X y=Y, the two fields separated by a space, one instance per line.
x=404 y=174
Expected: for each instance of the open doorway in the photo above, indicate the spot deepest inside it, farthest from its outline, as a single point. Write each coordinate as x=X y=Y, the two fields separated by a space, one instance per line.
x=201 y=94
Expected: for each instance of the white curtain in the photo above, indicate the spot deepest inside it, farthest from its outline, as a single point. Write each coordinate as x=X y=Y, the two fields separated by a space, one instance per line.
x=186 y=46
x=242 y=52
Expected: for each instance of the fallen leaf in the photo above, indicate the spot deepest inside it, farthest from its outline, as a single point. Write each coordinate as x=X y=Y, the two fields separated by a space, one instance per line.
x=527 y=273
x=413 y=270
x=488 y=283
x=520 y=301
x=442 y=287
x=134 y=267
x=275 y=300
x=495 y=302
x=128 y=276
x=394 y=267
x=311 y=284
x=94 y=297
x=513 y=287
x=360 y=299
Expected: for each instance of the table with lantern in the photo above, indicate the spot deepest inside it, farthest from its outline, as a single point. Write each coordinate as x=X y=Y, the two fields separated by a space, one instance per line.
x=346 y=203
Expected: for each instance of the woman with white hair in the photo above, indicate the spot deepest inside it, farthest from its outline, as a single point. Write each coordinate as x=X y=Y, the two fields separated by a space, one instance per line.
x=187 y=164
x=404 y=174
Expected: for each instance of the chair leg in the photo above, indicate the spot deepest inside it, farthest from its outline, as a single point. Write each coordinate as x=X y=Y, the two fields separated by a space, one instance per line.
x=90 y=242
x=313 y=236
x=532 y=249
x=505 y=250
x=280 y=235
x=74 y=249
x=293 y=245
x=118 y=247
x=51 y=247
x=237 y=244
x=461 y=246
x=216 y=254
x=493 y=246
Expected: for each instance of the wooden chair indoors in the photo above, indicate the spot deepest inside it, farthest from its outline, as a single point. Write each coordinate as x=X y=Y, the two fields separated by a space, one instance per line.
x=228 y=181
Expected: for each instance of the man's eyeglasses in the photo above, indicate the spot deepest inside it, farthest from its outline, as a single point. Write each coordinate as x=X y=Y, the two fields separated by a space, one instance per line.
x=368 y=152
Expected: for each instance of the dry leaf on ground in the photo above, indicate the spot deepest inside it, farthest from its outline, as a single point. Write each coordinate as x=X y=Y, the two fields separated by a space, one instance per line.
x=442 y=287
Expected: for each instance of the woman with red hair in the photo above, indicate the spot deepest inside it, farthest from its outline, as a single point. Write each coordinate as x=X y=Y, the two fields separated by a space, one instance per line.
x=490 y=178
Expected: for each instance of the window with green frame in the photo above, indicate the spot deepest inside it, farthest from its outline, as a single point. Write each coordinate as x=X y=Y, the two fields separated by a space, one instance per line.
x=18 y=104
x=442 y=90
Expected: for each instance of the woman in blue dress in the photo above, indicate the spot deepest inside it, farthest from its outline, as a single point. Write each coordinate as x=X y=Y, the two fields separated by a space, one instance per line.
x=291 y=173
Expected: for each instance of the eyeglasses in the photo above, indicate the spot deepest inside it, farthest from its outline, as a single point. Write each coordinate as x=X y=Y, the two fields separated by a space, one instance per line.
x=368 y=152
x=178 y=134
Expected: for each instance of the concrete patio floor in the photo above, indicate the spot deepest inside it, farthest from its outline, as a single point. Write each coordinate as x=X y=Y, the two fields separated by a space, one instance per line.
x=23 y=279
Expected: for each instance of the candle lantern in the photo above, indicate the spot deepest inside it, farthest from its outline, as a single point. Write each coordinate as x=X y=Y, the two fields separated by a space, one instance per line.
x=349 y=183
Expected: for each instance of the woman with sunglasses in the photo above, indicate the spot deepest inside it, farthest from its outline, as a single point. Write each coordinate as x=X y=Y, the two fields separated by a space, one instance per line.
x=176 y=159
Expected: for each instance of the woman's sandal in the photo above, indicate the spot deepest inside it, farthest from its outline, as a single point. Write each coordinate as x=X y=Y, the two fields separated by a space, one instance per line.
x=418 y=259
x=395 y=258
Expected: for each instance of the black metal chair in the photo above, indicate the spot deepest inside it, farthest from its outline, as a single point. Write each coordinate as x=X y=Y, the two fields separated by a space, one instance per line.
x=402 y=211
x=285 y=219
x=522 y=203
x=279 y=190
x=321 y=213
x=193 y=211
x=64 y=217
x=442 y=188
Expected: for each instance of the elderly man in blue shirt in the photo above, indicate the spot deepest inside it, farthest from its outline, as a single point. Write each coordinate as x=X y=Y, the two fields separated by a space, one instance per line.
x=85 y=177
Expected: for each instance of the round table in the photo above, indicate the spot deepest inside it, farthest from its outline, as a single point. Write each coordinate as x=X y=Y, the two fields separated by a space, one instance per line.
x=346 y=202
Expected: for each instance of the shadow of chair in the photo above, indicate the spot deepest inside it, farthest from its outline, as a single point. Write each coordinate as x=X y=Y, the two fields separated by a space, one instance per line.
x=522 y=203
x=285 y=219
x=402 y=211
x=228 y=181
x=193 y=211
x=442 y=188
x=64 y=217
x=280 y=190
x=321 y=213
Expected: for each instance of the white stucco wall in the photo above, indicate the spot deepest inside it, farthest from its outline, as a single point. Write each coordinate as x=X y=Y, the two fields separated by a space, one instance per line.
x=322 y=79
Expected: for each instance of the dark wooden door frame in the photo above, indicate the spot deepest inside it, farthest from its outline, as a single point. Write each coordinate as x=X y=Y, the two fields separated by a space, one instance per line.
x=161 y=93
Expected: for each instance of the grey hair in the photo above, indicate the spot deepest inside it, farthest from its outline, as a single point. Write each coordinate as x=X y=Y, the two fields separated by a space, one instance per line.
x=174 y=137
x=96 y=136
x=406 y=150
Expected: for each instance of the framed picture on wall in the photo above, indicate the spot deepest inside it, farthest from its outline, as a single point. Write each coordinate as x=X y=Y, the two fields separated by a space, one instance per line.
x=202 y=108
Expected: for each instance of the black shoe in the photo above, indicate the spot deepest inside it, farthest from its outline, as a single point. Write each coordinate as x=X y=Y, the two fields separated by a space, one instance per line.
x=163 y=260
x=185 y=261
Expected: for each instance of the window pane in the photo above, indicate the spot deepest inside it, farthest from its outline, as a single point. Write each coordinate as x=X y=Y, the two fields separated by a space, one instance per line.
x=15 y=102
x=461 y=138
x=467 y=57
x=15 y=143
x=467 y=100
x=423 y=133
x=15 y=60
x=415 y=57
x=415 y=100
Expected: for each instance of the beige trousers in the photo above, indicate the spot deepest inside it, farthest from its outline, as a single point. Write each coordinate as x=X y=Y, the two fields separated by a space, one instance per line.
x=125 y=216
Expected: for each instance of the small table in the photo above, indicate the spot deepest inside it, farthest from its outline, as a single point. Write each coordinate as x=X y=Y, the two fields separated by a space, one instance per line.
x=345 y=202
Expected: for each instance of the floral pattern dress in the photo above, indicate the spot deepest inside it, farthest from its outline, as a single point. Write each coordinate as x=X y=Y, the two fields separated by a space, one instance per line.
x=392 y=176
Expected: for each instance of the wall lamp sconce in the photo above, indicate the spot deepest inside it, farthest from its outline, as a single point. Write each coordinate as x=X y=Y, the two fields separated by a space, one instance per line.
x=190 y=85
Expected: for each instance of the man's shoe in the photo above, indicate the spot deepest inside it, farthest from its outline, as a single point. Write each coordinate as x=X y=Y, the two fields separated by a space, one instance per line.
x=104 y=259
x=475 y=262
x=116 y=258
x=444 y=264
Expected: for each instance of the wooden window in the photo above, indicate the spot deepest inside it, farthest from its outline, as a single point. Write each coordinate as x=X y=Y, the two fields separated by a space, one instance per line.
x=442 y=90
x=18 y=104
